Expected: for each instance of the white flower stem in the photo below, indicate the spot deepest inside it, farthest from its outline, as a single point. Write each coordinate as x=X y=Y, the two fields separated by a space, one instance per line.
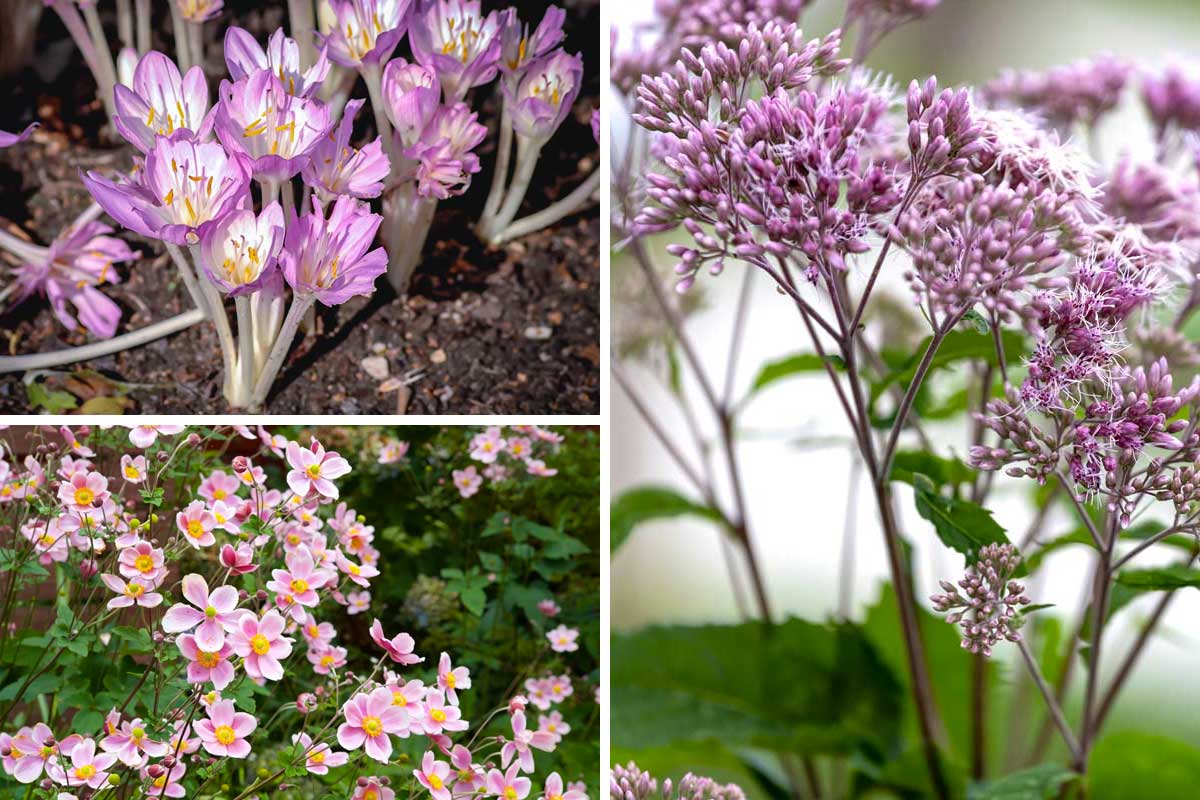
x=373 y=78
x=300 y=305
x=73 y=21
x=179 y=25
x=143 y=26
x=21 y=248
x=527 y=158
x=195 y=34
x=301 y=15
x=410 y=220
x=189 y=278
x=224 y=331
x=125 y=22
x=500 y=176
x=266 y=313
x=107 y=76
x=117 y=344
x=246 y=340
x=576 y=200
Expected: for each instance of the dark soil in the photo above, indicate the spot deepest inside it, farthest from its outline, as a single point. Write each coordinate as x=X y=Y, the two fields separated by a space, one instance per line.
x=510 y=330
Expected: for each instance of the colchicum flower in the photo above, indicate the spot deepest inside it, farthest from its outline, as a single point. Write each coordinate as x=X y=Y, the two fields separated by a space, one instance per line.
x=330 y=258
x=185 y=188
x=443 y=154
x=160 y=102
x=541 y=100
x=518 y=49
x=989 y=601
x=338 y=168
x=244 y=56
x=411 y=98
x=271 y=132
x=239 y=253
x=455 y=40
x=366 y=31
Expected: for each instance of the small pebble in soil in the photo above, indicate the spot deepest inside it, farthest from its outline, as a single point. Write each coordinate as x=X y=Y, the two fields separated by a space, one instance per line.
x=376 y=367
x=538 y=333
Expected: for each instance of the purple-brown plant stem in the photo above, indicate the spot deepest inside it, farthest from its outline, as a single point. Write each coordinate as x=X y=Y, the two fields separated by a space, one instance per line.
x=1052 y=703
x=1101 y=593
x=849 y=528
x=978 y=716
x=735 y=343
x=651 y=421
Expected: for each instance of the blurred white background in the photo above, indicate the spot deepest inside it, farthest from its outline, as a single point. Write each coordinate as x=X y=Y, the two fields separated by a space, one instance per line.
x=673 y=571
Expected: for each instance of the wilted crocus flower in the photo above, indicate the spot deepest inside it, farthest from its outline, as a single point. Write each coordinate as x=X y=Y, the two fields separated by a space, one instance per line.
x=270 y=131
x=339 y=168
x=366 y=31
x=453 y=38
x=518 y=49
x=411 y=98
x=185 y=187
x=78 y=261
x=239 y=252
x=244 y=56
x=544 y=95
x=328 y=258
x=9 y=139
x=446 y=162
x=199 y=10
x=159 y=102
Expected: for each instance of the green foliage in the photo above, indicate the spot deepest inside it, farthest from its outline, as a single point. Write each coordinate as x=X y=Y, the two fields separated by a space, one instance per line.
x=961 y=525
x=644 y=503
x=1043 y=782
x=788 y=366
x=1168 y=578
x=907 y=465
x=1126 y=765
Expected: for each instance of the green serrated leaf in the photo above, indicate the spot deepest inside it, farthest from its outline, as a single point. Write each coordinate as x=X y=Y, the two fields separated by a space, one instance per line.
x=1168 y=578
x=942 y=471
x=795 y=364
x=961 y=525
x=1042 y=782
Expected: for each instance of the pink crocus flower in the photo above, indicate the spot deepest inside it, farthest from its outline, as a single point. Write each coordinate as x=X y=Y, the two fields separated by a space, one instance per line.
x=133 y=470
x=372 y=789
x=411 y=98
x=219 y=485
x=553 y=790
x=224 y=732
x=245 y=56
x=205 y=665
x=313 y=470
x=522 y=742
x=535 y=466
x=331 y=258
x=338 y=167
x=69 y=273
x=133 y=591
x=168 y=782
x=467 y=480
x=455 y=40
x=239 y=252
x=88 y=768
x=367 y=31
x=159 y=102
x=211 y=615
x=358 y=602
x=470 y=777
x=370 y=718
x=196 y=523
x=562 y=639
x=452 y=678
x=553 y=724
x=434 y=775
x=143 y=562
x=262 y=644
x=185 y=187
x=131 y=745
x=84 y=491
x=320 y=757
x=548 y=607
x=543 y=97
x=296 y=587
x=445 y=161
x=510 y=785
x=399 y=648
x=8 y=139
x=239 y=560
x=145 y=435
x=271 y=132
x=439 y=716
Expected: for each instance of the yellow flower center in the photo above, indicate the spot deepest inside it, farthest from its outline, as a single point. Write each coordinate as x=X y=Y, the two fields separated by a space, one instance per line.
x=451 y=681
x=398 y=699
x=370 y=794
x=210 y=612
x=206 y=659
x=552 y=727
x=160 y=781
x=313 y=630
x=556 y=689
x=555 y=797
x=47 y=540
x=299 y=585
x=437 y=715
x=225 y=735
x=314 y=471
x=131 y=472
x=85 y=772
x=195 y=529
x=510 y=793
x=434 y=781
x=143 y=563
x=84 y=496
x=372 y=725
x=138 y=734
x=317 y=757
x=259 y=644
x=293 y=538
x=354 y=569
x=219 y=494
x=326 y=661
x=133 y=589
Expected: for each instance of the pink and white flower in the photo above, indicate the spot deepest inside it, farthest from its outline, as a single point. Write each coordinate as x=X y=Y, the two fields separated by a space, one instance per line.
x=320 y=757
x=206 y=665
x=510 y=785
x=239 y=560
x=358 y=602
x=262 y=644
x=133 y=470
x=211 y=615
x=145 y=435
x=131 y=745
x=372 y=788
x=548 y=607
x=399 y=648
x=553 y=724
x=537 y=467
x=168 y=782
x=159 y=102
x=84 y=491
x=439 y=716
x=522 y=742
x=224 y=732
x=88 y=768
x=219 y=485
x=313 y=470
x=295 y=587
x=553 y=790
x=370 y=718
x=562 y=639
x=196 y=523
x=134 y=591
x=142 y=562
x=470 y=777
x=467 y=480
x=434 y=775
x=452 y=678
x=488 y=445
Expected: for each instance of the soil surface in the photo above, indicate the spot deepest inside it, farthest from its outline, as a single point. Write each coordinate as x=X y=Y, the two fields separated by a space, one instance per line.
x=508 y=330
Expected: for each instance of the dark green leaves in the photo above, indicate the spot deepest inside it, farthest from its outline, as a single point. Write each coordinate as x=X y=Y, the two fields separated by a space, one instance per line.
x=795 y=364
x=651 y=502
x=1175 y=576
x=1126 y=765
x=960 y=524
x=798 y=687
x=1043 y=782
x=942 y=471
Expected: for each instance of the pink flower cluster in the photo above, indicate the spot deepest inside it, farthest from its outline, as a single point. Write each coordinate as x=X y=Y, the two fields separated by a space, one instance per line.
x=503 y=455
